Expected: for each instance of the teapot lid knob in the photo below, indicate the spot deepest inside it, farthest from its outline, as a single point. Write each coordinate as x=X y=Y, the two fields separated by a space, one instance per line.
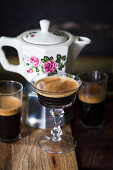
x=45 y=37
x=44 y=24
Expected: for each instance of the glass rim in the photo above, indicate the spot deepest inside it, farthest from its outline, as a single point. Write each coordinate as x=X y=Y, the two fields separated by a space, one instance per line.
x=11 y=93
x=99 y=81
x=79 y=82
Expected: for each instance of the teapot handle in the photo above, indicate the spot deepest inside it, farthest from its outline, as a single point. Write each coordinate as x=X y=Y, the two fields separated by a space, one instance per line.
x=13 y=42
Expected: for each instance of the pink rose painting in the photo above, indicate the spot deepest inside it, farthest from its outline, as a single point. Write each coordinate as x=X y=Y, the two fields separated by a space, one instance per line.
x=35 y=61
x=47 y=64
x=50 y=66
x=29 y=71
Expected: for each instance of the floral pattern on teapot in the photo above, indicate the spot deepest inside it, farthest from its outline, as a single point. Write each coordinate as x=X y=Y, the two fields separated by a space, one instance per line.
x=48 y=65
x=31 y=34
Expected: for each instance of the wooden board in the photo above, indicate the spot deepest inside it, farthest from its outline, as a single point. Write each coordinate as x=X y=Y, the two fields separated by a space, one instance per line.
x=26 y=155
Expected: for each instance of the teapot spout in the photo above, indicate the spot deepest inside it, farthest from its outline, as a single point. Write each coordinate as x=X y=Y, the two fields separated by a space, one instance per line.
x=74 y=50
x=80 y=43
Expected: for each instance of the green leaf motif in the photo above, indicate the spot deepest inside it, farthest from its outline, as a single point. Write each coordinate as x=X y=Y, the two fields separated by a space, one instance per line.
x=64 y=58
x=37 y=70
x=27 y=64
x=55 y=71
x=50 y=74
x=65 y=64
x=42 y=69
x=58 y=60
x=46 y=58
x=60 y=66
x=43 y=61
x=51 y=58
x=58 y=56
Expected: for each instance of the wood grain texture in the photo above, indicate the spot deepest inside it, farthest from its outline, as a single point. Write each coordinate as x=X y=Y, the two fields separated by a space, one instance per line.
x=26 y=155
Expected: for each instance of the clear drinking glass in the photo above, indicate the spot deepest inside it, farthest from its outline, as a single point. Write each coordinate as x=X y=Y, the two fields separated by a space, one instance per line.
x=10 y=110
x=92 y=97
x=57 y=98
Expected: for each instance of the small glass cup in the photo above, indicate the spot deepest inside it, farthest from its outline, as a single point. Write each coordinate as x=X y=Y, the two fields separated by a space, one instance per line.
x=92 y=96
x=57 y=99
x=10 y=110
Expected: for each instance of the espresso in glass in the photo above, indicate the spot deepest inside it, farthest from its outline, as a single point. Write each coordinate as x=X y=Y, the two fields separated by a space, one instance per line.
x=10 y=118
x=92 y=99
x=56 y=90
x=58 y=93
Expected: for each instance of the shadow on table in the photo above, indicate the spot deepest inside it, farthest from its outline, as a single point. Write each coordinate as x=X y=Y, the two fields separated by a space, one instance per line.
x=94 y=146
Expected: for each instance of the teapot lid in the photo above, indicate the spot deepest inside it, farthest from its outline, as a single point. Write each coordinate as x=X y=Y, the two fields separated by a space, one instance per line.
x=44 y=36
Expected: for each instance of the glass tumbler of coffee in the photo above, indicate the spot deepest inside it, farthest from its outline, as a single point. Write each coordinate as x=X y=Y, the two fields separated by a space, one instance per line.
x=92 y=97
x=57 y=92
x=10 y=110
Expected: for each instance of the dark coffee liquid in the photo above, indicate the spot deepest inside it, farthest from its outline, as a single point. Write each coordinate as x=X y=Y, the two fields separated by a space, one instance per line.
x=92 y=99
x=10 y=118
x=56 y=91
x=49 y=101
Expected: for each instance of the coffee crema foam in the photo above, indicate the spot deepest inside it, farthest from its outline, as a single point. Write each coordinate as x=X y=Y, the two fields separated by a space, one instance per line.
x=92 y=94
x=56 y=87
x=9 y=105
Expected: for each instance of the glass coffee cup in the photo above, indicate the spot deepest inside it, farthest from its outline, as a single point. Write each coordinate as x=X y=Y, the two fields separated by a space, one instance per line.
x=92 y=97
x=57 y=92
x=10 y=110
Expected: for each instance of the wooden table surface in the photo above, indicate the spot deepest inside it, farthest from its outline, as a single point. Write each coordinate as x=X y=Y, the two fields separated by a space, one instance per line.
x=26 y=155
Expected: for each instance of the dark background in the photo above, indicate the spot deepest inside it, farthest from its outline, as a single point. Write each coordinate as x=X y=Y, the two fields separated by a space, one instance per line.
x=91 y=18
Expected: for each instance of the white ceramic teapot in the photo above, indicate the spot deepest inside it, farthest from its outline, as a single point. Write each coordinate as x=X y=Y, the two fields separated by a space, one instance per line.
x=42 y=51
